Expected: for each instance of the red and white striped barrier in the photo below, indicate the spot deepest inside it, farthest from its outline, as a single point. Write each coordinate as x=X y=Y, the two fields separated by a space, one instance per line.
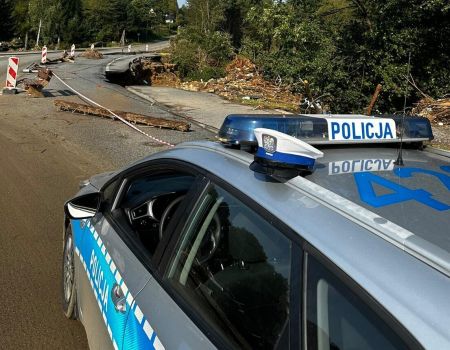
x=72 y=50
x=11 y=74
x=44 y=55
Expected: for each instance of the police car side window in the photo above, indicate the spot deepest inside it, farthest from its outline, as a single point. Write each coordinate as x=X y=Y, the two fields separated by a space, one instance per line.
x=337 y=318
x=233 y=268
x=149 y=202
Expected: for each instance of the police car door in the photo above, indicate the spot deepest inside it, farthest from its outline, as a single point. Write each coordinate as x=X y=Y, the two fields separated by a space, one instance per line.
x=148 y=198
x=112 y=276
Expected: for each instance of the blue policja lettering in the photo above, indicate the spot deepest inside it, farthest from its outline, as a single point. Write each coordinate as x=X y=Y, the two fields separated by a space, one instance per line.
x=345 y=131
x=345 y=166
x=355 y=163
x=388 y=131
x=368 y=130
x=379 y=135
x=369 y=133
x=335 y=129
x=355 y=136
x=387 y=163
x=99 y=280
x=407 y=172
x=365 y=181
x=368 y=165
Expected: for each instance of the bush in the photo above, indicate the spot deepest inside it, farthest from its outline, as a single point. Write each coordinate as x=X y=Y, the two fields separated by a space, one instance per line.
x=184 y=55
x=206 y=73
x=201 y=57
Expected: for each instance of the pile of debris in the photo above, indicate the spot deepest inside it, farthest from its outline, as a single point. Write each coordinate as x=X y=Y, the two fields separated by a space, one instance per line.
x=243 y=82
x=437 y=111
x=34 y=87
x=153 y=71
x=92 y=54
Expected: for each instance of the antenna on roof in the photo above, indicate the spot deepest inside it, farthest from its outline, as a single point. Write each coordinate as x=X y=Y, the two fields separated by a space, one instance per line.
x=399 y=160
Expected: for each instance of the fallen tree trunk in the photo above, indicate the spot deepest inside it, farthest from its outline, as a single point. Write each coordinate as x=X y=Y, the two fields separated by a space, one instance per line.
x=374 y=99
x=131 y=117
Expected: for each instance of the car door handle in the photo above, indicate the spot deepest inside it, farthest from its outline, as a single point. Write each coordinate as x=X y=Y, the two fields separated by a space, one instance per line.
x=118 y=299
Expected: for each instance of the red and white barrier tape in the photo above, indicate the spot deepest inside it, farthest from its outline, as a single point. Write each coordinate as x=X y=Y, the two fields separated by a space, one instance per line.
x=113 y=114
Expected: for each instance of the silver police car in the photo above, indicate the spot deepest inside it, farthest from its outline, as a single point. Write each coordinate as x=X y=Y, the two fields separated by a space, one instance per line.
x=206 y=246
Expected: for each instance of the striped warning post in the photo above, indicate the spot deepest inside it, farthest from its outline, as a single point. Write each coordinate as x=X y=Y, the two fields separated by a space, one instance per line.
x=72 y=50
x=44 y=55
x=11 y=74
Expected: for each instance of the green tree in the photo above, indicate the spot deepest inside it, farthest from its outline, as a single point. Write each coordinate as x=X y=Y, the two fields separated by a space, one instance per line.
x=6 y=23
x=202 y=48
x=21 y=17
x=50 y=12
x=104 y=19
x=377 y=41
x=72 y=30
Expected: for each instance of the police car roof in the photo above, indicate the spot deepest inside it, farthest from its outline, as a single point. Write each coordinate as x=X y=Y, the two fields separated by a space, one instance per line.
x=362 y=183
x=357 y=240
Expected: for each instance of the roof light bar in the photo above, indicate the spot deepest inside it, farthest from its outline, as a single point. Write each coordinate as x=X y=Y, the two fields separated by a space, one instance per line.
x=320 y=129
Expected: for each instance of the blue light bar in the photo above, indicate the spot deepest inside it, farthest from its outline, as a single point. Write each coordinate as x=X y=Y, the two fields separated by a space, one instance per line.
x=317 y=129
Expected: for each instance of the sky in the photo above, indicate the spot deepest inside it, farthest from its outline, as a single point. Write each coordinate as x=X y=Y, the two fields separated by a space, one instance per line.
x=181 y=2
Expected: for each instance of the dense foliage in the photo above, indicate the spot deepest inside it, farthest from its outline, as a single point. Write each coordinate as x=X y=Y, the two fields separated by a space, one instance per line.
x=84 y=21
x=343 y=48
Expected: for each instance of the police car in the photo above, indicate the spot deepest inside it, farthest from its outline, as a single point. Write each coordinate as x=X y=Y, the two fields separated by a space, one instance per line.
x=299 y=232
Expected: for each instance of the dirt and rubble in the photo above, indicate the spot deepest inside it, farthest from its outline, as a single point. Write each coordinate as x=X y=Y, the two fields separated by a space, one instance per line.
x=34 y=87
x=154 y=71
x=436 y=111
x=92 y=54
x=245 y=84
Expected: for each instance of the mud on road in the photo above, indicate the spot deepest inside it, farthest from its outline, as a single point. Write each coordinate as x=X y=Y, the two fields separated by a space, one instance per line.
x=38 y=173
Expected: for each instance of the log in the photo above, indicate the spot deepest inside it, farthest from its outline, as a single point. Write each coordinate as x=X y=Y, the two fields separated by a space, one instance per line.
x=374 y=99
x=131 y=117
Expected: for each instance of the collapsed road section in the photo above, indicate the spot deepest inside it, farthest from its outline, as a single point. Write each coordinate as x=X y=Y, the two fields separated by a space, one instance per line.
x=138 y=69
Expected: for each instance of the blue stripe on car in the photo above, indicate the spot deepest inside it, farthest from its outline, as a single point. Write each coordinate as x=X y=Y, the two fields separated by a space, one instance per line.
x=103 y=274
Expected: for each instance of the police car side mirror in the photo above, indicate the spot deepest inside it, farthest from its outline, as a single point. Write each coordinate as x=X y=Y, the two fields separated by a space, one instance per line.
x=83 y=207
